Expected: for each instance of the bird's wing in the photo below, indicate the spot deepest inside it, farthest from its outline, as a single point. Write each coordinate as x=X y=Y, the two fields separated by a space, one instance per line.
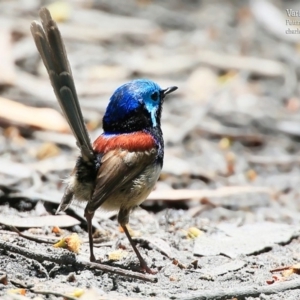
x=118 y=167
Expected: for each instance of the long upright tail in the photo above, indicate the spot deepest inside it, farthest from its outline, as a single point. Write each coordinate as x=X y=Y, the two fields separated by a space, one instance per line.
x=52 y=50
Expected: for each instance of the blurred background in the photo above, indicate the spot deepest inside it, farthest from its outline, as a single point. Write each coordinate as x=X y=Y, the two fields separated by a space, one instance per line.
x=232 y=129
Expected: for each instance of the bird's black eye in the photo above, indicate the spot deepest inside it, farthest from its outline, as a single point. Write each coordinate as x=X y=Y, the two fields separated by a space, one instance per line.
x=154 y=96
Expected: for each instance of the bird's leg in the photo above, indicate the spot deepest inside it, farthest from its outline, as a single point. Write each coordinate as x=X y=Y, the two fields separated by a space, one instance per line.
x=89 y=216
x=123 y=218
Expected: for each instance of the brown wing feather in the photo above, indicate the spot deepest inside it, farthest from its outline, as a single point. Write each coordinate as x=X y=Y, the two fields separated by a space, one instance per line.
x=118 y=168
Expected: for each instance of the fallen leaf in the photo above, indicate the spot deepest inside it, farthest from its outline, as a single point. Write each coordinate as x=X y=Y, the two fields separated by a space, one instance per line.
x=28 y=222
x=234 y=241
x=117 y=255
x=178 y=264
x=56 y=230
x=14 y=135
x=60 y=11
x=77 y=293
x=132 y=232
x=173 y=278
x=3 y=278
x=288 y=273
x=47 y=150
x=225 y=143
x=72 y=243
x=193 y=232
x=7 y=66
x=179 y=195
x=44 y=118
x=251 y=175
x=17 y=291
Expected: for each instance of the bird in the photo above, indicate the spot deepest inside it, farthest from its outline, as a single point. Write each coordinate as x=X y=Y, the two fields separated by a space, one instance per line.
x=121 y=167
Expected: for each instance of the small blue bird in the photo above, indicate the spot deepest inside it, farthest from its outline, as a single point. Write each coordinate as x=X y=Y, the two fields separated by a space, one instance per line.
x=122 y=166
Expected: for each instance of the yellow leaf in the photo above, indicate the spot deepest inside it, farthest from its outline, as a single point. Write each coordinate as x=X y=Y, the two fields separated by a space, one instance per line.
x=225 y=143
x=72 y=243
x=60 y=11
x=193 y=232
x=117 y=255
x=77 y=293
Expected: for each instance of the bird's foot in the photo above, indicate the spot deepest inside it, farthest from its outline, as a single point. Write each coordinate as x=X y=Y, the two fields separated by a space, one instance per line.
x=92 y=258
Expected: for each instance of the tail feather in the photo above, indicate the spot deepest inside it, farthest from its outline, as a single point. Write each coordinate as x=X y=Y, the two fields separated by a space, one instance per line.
x=52 y=50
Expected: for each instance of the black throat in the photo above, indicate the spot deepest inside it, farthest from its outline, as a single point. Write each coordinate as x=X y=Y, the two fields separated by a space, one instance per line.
x=139 y=120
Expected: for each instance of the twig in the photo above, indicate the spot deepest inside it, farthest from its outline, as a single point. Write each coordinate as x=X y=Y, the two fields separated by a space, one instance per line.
x=71 y=259
x=280 y=269
x=21 y=284
x=32 y=238
x=244 y=292
x=53 y=293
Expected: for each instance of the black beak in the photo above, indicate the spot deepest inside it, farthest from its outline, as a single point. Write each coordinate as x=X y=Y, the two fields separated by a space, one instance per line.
x=168 y=90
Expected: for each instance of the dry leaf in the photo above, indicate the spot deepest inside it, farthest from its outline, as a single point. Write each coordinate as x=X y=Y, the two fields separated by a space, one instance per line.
x=193 y=232
x=29 y=221
x=293 y=104
x=181 y=194
x=77 y=293
x=17 y=291
x=130 y=230
x=117 y=255
x=230 y=160
x=225 y=143
x=43 y=118
x=7 y=66
x=72 y=243
x=56 y=230
x=294 y=269
x=251 y=175
x=47 y=150
x=60 y=11
x=3 y=278
x=178 y=264
x=173 y=278
x=287 y=273
x=14 y=135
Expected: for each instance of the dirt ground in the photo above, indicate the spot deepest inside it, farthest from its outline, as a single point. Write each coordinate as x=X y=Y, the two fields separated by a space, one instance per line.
x=223 y=220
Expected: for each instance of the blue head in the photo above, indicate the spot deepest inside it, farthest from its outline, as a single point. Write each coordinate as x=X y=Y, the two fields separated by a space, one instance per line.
x=135 y=106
